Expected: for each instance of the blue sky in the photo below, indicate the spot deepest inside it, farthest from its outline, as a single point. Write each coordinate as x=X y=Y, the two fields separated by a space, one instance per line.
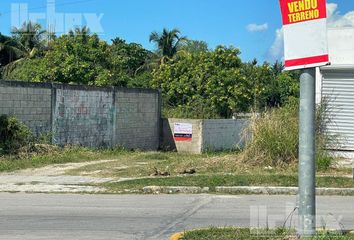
x=253 y=26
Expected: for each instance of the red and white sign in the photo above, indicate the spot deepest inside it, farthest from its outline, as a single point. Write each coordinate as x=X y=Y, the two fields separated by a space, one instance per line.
x=305 y=33
x=183 y=132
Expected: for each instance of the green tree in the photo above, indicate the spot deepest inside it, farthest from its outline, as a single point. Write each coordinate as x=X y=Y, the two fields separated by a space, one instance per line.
x=285 y=88
x=271 y=87
x=76 y=58
x=82 y=34
x=82 y=58
x=167 y=42
x=194 y=46
x=128 y=57
x=128 y=61
x=259 y=77
x=203 y=85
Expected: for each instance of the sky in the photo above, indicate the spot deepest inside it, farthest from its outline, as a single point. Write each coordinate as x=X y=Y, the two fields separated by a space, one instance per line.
x=253 y=26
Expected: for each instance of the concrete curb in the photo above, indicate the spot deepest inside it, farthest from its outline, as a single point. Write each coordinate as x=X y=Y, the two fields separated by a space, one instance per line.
x=257 y=190
x=174 y=190
x=283 y=190
x=244 y=190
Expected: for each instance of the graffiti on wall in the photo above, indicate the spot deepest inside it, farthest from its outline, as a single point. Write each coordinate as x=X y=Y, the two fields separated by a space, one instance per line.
x=84 y=117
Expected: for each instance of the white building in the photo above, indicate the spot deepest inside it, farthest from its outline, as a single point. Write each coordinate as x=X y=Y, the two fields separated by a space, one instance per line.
x=335 y=83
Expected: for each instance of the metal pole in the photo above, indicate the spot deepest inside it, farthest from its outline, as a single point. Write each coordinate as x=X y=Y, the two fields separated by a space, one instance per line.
x=307 y=149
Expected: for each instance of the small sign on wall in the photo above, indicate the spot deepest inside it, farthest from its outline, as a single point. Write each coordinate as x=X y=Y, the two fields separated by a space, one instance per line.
x=183 y=132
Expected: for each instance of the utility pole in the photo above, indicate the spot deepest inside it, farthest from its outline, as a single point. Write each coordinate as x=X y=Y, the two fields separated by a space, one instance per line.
x=307 y=152
x=305 y=48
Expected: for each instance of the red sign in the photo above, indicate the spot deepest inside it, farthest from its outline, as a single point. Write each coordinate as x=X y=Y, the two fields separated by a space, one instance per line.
x=305 y=33
x=183 y=132
x=301 y=11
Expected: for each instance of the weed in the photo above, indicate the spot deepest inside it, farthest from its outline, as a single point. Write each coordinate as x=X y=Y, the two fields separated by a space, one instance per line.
x=275 y=137
x=13 y=135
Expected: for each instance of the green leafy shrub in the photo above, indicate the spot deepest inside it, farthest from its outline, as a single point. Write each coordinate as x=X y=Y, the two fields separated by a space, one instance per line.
x=13 y=135
x=203 y=85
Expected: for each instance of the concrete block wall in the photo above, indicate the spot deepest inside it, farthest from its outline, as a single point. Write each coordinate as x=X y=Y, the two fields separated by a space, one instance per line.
x=225 y=134
x=213 y=135
x=83 y=115
x=138 y=118
x=30 y=103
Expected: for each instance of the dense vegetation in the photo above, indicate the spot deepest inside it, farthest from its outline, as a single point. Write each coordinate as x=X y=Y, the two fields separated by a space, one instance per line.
x=196 y=81
x=13 y=135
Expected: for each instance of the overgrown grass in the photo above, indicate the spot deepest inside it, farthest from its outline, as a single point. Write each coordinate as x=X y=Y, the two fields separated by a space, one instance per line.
x=213 y=181
x=143 y=164
x=247 y=234
x=59 y=156
x=275 y=137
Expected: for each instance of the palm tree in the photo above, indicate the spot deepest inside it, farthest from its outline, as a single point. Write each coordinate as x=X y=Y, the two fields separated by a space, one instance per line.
x=167 y=42
x=9 y=50
x=30 y=36
x=26 y=42
x=84 y=33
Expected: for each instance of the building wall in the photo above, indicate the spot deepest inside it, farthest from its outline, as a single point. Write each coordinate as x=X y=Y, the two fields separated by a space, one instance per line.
x=337 y=90
x=88 y=116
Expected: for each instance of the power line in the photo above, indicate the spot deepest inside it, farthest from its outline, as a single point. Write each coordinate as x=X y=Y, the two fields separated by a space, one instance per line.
x=57 y=5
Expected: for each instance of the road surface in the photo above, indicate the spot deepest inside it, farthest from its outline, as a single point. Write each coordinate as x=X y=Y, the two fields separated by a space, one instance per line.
x=98 y=217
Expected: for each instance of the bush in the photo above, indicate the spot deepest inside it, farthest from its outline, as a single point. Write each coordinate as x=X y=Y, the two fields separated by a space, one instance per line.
x=195 y=110
x=13 y=135
x=275 y=137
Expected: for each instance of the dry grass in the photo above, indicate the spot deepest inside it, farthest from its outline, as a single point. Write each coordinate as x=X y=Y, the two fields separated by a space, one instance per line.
x=275 y=138
x=143 y=164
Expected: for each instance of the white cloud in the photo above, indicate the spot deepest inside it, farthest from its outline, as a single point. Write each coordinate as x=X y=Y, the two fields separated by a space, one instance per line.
x=257 y=27
x=276 y=51
x=335 y=19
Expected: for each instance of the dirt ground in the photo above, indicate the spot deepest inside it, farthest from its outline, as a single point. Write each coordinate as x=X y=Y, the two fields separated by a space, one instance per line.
x=52 y=179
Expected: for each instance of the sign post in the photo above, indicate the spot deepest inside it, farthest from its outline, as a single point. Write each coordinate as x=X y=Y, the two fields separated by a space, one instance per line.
x=307 y=154
x=305 y=47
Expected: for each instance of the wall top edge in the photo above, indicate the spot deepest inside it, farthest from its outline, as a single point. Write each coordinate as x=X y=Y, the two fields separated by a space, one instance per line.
x=7 y=83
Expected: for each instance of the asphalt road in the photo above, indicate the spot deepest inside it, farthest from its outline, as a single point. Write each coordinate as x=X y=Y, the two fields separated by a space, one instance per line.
x=96 y=217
